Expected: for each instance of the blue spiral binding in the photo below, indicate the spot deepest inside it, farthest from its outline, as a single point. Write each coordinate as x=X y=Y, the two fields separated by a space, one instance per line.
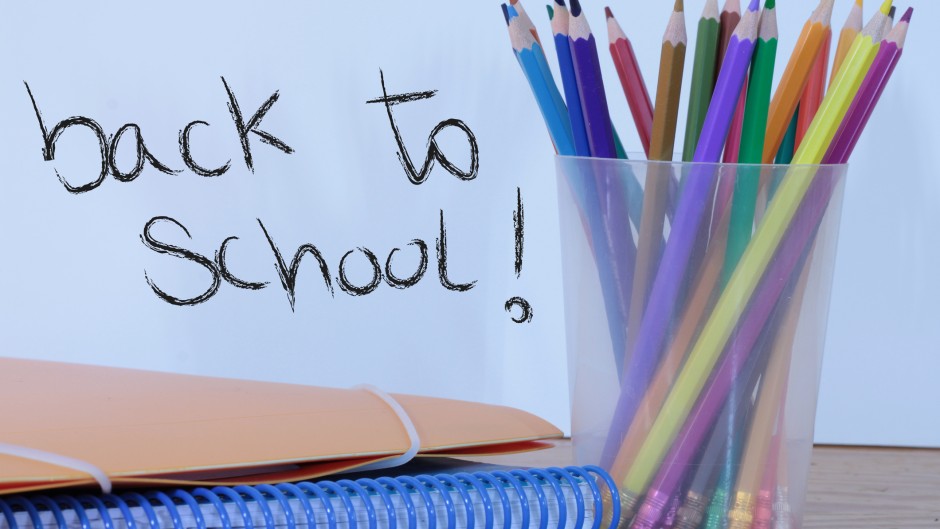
x=476 y=492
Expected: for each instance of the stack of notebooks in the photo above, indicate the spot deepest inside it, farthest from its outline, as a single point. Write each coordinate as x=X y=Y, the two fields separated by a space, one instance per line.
x=194 y=452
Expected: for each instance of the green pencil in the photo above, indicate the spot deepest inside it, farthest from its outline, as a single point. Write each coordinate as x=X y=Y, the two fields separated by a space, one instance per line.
x=703 y=77
x=752 y=140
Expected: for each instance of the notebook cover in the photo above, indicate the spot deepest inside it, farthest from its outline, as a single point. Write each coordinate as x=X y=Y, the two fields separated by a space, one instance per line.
x=152 y=428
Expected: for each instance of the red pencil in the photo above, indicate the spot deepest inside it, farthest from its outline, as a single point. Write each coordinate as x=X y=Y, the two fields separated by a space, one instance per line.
x=815 y=90
x=632 y=80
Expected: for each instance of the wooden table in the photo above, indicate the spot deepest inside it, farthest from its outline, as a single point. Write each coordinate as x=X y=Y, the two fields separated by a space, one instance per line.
x=862 y=488
x=849 y=488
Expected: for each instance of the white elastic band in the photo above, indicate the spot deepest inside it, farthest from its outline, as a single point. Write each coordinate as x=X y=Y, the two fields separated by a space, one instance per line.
x=59 y=461
x=405 y=421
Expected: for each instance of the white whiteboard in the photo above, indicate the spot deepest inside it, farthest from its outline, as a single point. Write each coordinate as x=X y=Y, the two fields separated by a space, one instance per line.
x=73 y=280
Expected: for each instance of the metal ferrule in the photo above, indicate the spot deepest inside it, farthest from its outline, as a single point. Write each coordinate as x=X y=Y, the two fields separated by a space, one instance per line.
x=692 y=512
x=742 y=514
x=782 y=515
x=628 y=505
x=652 y=510
x=717 y=510
x=669 y=520
x=764 y=512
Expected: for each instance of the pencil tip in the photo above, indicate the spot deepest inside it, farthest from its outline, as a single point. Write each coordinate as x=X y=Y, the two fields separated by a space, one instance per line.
x=575 y=8
x=551 y=12
x=892 y=12
x=608 y=12
x=859 y=3
x=505 y=12
x=886 y=7
x=513 y=2
x=755 y=5
x=560 y=2
x=770 y=4
x=907 y=15
x=679 y=7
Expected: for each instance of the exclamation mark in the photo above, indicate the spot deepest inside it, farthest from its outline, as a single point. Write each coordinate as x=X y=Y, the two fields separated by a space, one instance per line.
x=518 y=218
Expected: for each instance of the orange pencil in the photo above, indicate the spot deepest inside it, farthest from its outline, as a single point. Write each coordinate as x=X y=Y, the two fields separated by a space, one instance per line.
x=791 y=86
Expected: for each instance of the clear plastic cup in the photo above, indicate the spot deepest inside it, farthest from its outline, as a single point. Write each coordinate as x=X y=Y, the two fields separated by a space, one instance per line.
x=696 y=300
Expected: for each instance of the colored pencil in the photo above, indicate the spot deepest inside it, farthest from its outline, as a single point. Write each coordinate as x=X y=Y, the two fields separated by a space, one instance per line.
x=815 y=89
x=784 y=157
x=746 y=337
x=688 y=219
x=742 y=220
x=679 y=246
x=699 y=304
x=851 y=29
x=769 y=406
x=600 y=138
x=788 y=146
x=772 y=395
x=534 y=66
x=730 y=306
x=794 y=78
x=729 y=19
x=631 y=79
x=783 y=514
x=678 y=462
x=870 y=92
x=849 y=79
x=703 y=77
x=650 y=240
x=752 y=139
x=764 y=509
x=590 y=84
x=588 y=190
x=559 y=19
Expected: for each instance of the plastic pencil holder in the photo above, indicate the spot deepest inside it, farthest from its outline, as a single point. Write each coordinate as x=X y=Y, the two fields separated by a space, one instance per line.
x=696 y=299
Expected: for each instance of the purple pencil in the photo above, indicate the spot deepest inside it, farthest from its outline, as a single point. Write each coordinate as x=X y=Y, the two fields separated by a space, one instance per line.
x=587 y=69
x=688 y=218
x=889 y=53
x=797 y=241
x=613 y=207
x=790 y=254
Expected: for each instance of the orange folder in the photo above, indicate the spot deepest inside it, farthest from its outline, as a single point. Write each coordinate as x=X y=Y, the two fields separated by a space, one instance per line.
x=160 y=429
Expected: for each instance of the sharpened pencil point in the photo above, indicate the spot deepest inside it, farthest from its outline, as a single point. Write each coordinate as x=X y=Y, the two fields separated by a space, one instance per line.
x=859 y=3
x=505 y=12
x=770 y=4
x=679 y=7
x=513 y=2
x=755 y=5
x=608 y=12
x=907 y=15
x=886 y=7
x=551 y=12
x=891 y=13
x=560 y=2
x=575 y=8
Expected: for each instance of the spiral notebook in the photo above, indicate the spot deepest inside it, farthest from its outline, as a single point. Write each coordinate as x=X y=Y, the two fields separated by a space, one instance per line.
x=141 y=428
x=507 y=498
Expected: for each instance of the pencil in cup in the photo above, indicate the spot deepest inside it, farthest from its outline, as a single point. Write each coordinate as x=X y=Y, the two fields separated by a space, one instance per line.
x=690 y=213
